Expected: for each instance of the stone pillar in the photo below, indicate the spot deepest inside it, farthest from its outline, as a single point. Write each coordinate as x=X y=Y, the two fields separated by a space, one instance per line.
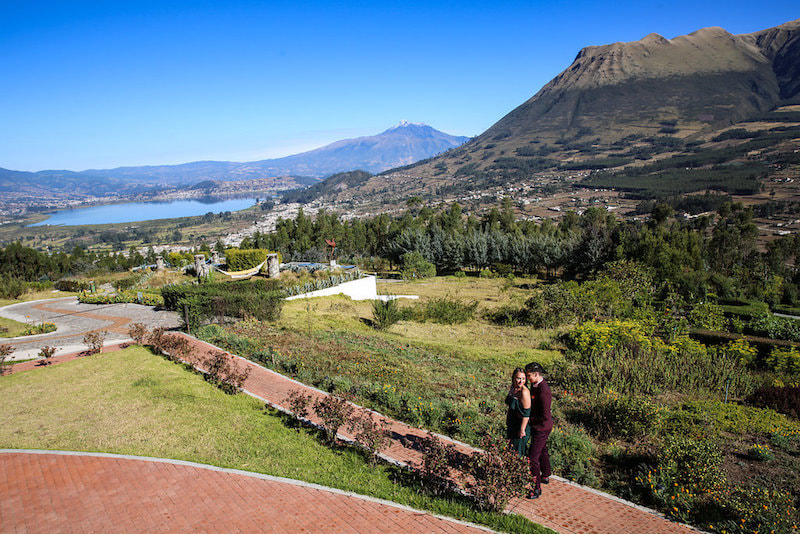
x=273 y=266
x=159 y=263
x=200 y=266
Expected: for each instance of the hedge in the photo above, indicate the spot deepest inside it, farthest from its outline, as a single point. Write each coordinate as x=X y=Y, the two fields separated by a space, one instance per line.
x=212 y=302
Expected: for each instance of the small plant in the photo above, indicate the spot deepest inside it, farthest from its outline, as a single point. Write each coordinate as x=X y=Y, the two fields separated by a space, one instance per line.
x=373 y=435
x=298 y=403
x=46 y=353
x=156 y=339
x=94 y=341
x=176 y=347
x=138 y=333
x=447 y=310
x=385 y=313
x=5 y=352
x=434 y=471
x=761 y=453
x=414 y=266
x=334 y=412
x=222 y=370
x=499 y=474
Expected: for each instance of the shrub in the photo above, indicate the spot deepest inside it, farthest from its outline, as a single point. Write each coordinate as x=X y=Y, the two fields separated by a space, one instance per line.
x=692 y=463
x=373 y=435
x=46 y=353
x=785 y=400
x=498 y=474
x=434 y=471
x=203 y=303
x=746 y=509
x=94 y=341
x=784 y=360
x=769 y=325
x=73 y=285
x=222 y=370
x=784 y=439
x=333 y=412
x=41 y=328
x=571 y=453
x=761 y=453
x=413 y=265
x=156 y=339
x=621 y=356
x=243 y=259
x=5 y=352
x=298 y=403
x=11 y=287
x=707 y=316
x=147 y=298
x=629 y=417
x=447 y=310
x=385 y=313
x=176 y=347
x=138 y=332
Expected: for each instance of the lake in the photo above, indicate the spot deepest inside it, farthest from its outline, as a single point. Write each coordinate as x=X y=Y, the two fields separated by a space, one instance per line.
x=144 y=211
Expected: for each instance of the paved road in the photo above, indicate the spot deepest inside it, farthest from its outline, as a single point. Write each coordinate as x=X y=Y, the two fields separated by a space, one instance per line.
x=46 y=491
x=74 y=320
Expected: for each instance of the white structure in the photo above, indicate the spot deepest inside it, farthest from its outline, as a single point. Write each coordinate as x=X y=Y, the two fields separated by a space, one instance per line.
x=361 y=289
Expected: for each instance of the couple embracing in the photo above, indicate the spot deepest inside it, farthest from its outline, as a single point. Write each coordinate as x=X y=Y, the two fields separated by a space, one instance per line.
x=529 y=420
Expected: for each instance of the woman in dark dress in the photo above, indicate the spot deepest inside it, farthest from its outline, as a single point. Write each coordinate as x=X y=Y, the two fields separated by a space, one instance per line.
x=518 y=430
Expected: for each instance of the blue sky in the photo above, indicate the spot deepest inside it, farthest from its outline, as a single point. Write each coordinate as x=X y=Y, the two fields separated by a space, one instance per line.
x=106 y=84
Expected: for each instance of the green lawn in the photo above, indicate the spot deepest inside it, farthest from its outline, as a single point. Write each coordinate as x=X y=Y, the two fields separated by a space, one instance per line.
x=133 y=402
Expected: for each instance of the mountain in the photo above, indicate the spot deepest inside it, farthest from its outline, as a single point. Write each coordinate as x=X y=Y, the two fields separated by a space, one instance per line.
x=403 y=144
x=620 y=106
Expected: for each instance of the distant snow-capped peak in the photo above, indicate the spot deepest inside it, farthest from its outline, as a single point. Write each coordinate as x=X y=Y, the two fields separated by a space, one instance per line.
x=404 y=124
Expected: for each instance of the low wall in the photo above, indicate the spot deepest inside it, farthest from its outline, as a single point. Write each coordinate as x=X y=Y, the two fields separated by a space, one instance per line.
x=362 y=289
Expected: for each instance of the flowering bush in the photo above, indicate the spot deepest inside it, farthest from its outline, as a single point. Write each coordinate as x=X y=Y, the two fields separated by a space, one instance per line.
x=707 y=316
x=334 y=412
x=373 y=435
x=760 y=452
x=46 y=353
x=94 y=341
x=784 y=360
x=434 y=471
x=743 y=351
x=695 y=464
x=222 y=370
x=592 y=337
x=138 y=333
x=498 y=474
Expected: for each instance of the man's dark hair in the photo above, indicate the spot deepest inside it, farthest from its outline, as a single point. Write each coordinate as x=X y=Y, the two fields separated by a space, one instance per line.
x=534 y=367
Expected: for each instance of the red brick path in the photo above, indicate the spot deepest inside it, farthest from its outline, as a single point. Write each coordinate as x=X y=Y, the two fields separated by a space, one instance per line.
x=83 y=493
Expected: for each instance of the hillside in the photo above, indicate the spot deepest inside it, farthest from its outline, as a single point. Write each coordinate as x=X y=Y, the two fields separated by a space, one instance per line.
x=617 y=111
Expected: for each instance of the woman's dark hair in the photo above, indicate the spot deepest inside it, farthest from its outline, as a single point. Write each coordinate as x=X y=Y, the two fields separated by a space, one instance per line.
x=517 y=370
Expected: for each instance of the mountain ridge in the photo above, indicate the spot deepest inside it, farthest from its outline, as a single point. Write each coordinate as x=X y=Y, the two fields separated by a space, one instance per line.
x=399 y=145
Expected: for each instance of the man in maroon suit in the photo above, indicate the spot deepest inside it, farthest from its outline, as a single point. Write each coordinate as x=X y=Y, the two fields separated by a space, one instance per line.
x=541 y=423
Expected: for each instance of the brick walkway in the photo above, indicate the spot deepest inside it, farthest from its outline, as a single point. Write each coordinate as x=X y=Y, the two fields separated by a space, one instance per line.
x=49 y=492
x=563 y=506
